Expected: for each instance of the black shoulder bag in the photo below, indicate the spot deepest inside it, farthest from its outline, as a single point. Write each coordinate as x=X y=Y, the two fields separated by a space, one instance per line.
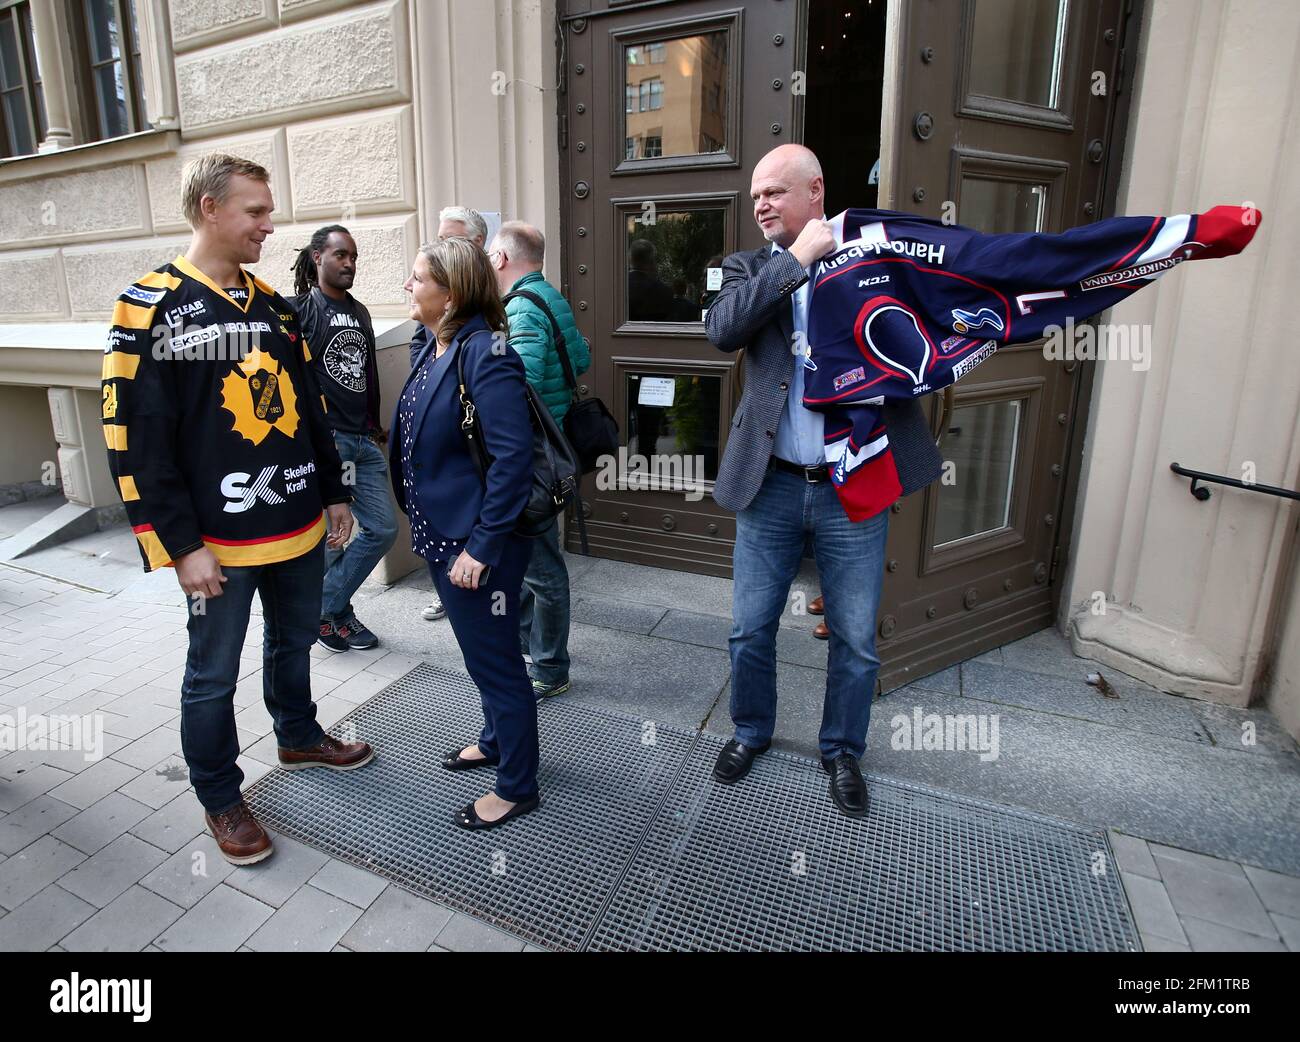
x=555 y=465
x=591 y=429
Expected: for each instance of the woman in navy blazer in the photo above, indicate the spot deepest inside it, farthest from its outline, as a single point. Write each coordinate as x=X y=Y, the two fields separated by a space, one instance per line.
x=463 y=524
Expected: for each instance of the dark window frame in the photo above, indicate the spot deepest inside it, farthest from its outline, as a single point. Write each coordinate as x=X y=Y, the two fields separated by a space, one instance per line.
x=19 y=14
x=126 y=38
x=648 y=93
x=722 y=30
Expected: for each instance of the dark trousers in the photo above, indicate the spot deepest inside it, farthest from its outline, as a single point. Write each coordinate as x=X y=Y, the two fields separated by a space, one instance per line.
x=486 y=624
x=290 y=592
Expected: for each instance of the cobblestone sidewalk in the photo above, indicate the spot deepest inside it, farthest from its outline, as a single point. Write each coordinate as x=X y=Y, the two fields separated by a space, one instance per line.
x=111 y=855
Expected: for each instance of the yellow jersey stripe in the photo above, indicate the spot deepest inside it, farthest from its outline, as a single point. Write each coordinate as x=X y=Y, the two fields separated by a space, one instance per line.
x=159 y=280
x=127 y=485
x=132 y=316
x=153 y=548
x=115 y=436
x=271 y=551
x=119 y=365
x=190 y=270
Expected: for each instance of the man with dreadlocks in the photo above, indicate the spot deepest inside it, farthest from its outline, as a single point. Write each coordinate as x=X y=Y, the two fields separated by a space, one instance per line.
x=342 y=339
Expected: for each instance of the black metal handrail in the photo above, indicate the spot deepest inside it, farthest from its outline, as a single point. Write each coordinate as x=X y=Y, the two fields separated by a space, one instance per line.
x=1203 y=493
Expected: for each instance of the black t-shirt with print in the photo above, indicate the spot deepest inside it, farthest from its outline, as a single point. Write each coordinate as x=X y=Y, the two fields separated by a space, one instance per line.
x=341 y=350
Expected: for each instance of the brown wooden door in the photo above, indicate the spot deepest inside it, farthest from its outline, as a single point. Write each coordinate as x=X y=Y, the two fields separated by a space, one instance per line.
x=1005 y=123
x=666 y=109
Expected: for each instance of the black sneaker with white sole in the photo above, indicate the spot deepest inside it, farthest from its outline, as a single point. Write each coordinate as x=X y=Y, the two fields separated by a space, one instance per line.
x=354 y=632
x=331 y=639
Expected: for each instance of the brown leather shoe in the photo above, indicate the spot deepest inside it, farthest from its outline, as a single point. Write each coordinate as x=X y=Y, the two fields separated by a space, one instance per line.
x=822 y=632
x=330 y=752
x=817 y=606
x=241 y=840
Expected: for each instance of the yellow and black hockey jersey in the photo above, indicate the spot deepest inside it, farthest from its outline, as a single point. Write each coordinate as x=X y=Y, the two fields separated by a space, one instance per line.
x=215 y=425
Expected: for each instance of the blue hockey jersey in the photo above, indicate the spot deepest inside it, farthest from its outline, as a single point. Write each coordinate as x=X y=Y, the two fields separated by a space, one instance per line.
x=907 y=305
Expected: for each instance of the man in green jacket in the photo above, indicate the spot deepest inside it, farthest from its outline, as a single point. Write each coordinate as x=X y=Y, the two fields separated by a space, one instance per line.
x=516 y=253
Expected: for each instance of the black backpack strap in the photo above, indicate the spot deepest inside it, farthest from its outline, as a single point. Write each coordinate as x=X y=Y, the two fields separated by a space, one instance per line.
x=561 y=347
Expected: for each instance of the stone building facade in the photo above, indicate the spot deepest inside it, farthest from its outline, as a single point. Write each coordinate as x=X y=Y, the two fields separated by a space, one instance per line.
x=378 y=114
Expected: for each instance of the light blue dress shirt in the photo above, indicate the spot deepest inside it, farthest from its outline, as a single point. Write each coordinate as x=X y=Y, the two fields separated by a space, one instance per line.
x=800 y=432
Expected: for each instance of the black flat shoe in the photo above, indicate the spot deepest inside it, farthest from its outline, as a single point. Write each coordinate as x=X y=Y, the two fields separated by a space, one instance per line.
x=453 y=761
x=848 y=789
x=467 y=817
x=735 y=760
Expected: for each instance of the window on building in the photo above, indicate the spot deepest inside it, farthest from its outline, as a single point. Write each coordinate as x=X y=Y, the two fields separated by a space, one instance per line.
x=631 y=98
x=652 y=95
x=654 y=146
x=22 y=103
x=650 y=54
x=108 y=54
x=629 y=148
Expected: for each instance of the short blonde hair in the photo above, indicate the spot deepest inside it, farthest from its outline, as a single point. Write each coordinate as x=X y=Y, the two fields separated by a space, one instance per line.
x=210 y=175
x=463 y=268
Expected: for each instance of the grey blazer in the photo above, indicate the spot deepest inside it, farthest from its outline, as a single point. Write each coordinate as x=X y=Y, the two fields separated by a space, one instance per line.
x=752 y=310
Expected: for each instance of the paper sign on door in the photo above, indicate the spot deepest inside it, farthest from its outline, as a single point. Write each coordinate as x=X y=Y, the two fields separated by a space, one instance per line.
x=656 y=390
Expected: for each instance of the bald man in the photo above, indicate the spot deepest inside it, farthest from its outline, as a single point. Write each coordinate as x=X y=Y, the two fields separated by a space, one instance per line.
x=774 y=476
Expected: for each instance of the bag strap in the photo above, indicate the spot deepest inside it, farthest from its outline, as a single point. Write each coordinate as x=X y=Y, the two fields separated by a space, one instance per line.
x=470 y=428
x=582 y=521
x=473 y=433
x=561 y=347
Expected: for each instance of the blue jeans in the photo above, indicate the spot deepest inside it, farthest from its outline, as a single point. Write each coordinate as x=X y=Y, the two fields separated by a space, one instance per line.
x=346 y=569
x=544 y=609
x=290 y=612
x=850 y=560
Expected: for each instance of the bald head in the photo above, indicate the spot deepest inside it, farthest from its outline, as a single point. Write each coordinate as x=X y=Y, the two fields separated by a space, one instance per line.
x=791 y=161
x=788 y=191
x=516 y=250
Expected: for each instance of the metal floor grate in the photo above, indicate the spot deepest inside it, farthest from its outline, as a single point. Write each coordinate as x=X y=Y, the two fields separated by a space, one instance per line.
x=771 y=864
x=543 y=877
x=635 y=847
